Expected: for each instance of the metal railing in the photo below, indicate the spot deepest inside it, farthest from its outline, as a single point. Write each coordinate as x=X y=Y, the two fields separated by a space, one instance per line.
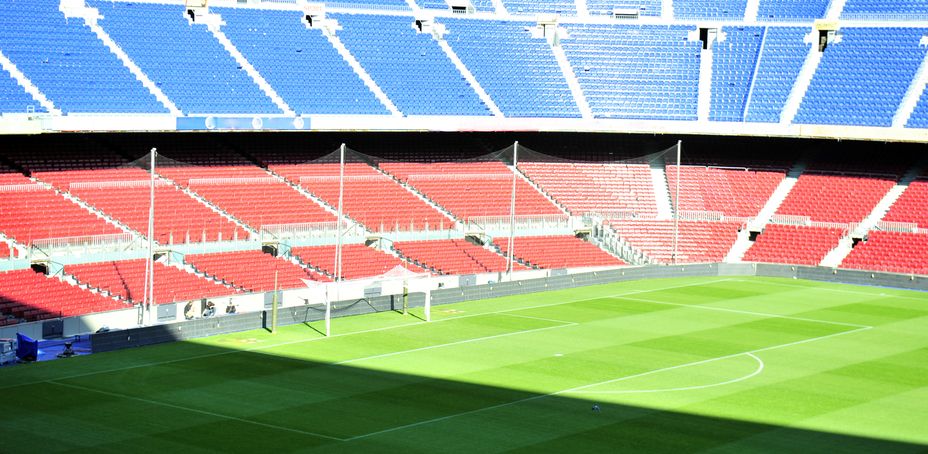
x=308 y=230
x=87 y=241
x=28 y=187
x=117 y=184
x=231 y=180
x=545 y=221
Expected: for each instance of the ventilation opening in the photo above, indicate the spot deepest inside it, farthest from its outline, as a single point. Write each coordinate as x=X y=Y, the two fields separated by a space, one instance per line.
x=625 y=13
x=269 y=249
x=708 y=36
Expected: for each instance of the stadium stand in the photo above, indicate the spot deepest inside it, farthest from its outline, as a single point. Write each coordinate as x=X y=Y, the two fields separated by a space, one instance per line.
x=596 y=187
x=912 y=205
x=782 y=55
x=636 y=71
x=792 y=10
x=358 y=260
x=183 y=59
x=650 y=8
x=31 y=296
x=410 y=67
x=473 y=189
x=834 y=198
x=13 y=97
x=519 y=72
x=553 y=252
x=794 y=245
x=919 y=118
x=733 y=64
x=126 y=279
x=252 y=270
x=30 y=212
x=299 y=62
x=730 y=191
x=370 y=197
x=709 y=9
x=67 y=62
x=885 y=9
x=263 y=202
x=861 y=79
x=533 y=7
x=371 y=4
x=453 y=256
x=698 y=242
x=894 y=252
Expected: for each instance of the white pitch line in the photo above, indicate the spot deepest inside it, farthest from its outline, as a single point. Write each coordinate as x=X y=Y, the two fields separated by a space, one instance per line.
x=758 y=370
x=385 y=328
x=739 y=311
x=449 y=344
x=579 y=388
x=537 y=318
x=194 y=410
x=838 y=290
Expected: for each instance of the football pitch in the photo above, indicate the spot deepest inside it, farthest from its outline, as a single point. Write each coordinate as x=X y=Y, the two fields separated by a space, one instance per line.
x=736 y=364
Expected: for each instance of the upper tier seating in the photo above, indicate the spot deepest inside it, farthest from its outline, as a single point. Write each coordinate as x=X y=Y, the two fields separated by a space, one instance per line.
x=67 y=62
x=535 y=7
x=479 y=5
x=409 y=67
x=792 y=10
x=698 y=242
x=519 y=72
x=553 y=252
x=13 y=97
x=126 y=279
x=709 y=9
x=28 y=295
x=862 y=79
x=370 y=4
x=834 y=198
x=300 y=63
x=733 y=192
x=781 y=58
x=472 y=189
x=358 y=260
x=183 y=59
x=453 y=256
x=253 y=270
x=890 y=251
x=29 y=212
x=733 y=64
x=912 y=205
x=636 y=71
x=600 y=187
x=885 y=9
x=794 y=245
x=369 y=197
x=650 y=8
x=919 y=118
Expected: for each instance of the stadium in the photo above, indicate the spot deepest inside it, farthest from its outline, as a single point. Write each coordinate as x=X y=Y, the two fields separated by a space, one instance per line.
x=463 y=226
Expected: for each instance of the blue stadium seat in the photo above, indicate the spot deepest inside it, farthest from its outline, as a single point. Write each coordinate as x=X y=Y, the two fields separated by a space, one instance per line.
x=709 y=9
x=519 y=72
x=409 y=67
x=483 y=6
x=636 y=71
x=13 y=98
x=919 y=118
x=792 y=10
x=885 y=9
x=650 y=8
x=533 y=7
x=184 y=60
x=862 y=79
x=68 y=63
x=300 y=63
x=781 y=57
x=733 y=64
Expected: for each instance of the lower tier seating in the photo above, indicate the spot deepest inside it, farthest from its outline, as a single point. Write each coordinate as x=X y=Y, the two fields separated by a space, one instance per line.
x=31 y=296
x=358 y=260
x=912 y=205
x=733 y=192
x=890 y=251
x=794 y=245
x=30 y=212
x=5 y=251
x=697 y=242
x=563 y=251
x=834 y=198
x=453 y=256
x=262 y=204
x=126 y=279
x=252 y=270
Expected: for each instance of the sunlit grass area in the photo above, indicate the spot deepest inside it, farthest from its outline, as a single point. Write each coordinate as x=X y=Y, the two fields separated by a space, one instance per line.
x=724 y=364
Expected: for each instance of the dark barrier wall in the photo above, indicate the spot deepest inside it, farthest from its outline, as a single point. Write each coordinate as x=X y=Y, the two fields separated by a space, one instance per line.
x=137 y=337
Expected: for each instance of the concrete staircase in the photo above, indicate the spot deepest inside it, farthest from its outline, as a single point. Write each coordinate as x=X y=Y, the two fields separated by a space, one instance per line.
x=661 y=189
x=360 y=71
x=27 y=84
x=208 y=204
x=538 y=188
x=801 y=86
x=469 y=77
x=448 y=214
x=309 y=195
x=214 y=27
x=910 y=100
x=96 y=211
x=750 y=11
x=582 y=9
x=572 y=82
x=667 y=10
x=835 y=9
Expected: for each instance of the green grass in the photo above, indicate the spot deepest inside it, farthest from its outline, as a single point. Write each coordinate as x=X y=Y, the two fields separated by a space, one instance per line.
x=735 y=365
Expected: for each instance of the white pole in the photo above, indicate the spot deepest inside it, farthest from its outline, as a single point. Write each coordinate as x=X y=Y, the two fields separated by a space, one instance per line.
x=149 y=288
x=328 y=313
x=676 y=207
x=338 y=241
x=512 y=208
